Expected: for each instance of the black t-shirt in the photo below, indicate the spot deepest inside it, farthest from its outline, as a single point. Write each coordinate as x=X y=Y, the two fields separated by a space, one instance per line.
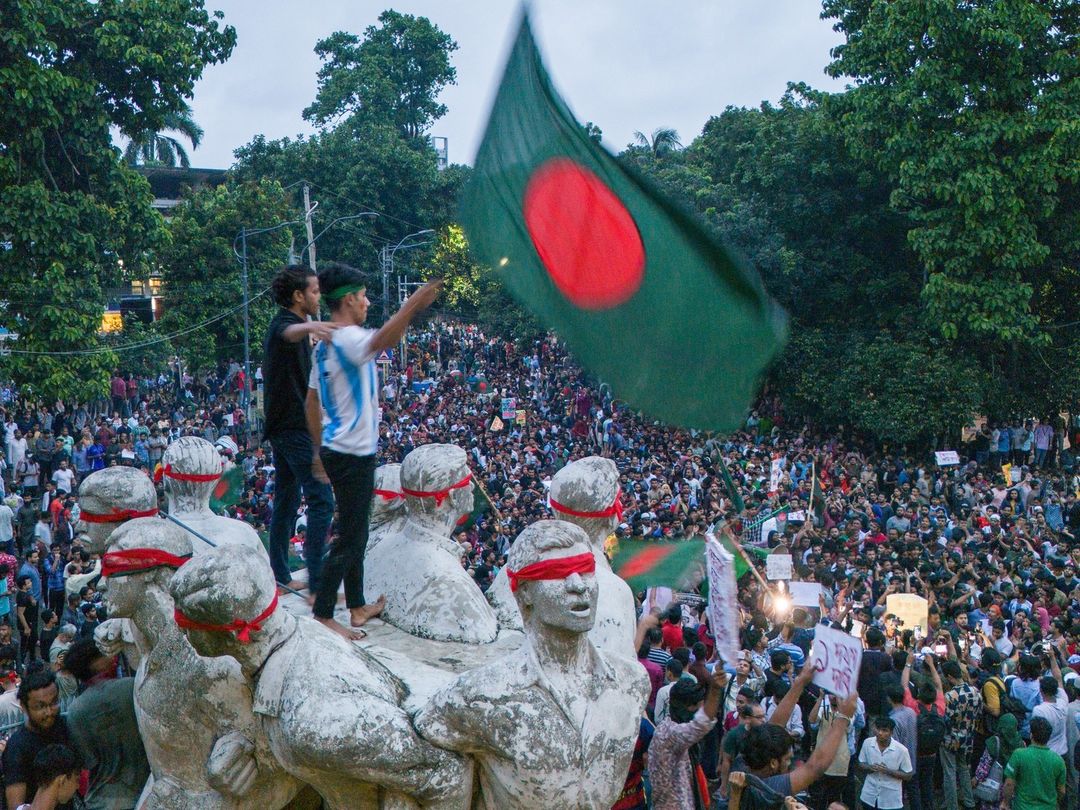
x=286 y=368
x=21 y=749
x=25 y=599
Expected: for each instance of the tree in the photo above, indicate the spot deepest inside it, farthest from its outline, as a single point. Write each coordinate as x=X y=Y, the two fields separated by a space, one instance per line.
x=77 y=219
x=970 y=108
x=203 y=279
x=663 y=141
x=152 y=148
x=375 y=170
x=393 y=75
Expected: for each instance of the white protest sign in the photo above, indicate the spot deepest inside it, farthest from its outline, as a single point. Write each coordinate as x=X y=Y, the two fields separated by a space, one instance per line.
x=658 y=598
x=778 y=566
x=776 y=472
x=723 y=609
x=912 y=610
x=836 y=657
x=804 y=594
x=946 y=458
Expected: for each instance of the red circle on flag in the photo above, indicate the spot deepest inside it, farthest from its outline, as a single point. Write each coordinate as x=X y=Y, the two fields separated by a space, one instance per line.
x=587 y=240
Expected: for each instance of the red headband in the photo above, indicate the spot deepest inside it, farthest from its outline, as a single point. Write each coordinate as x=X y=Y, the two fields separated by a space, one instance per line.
x=559 y=568
x=439 y=495
x=615 y=510
x=168 y=471
x=134 y=560
x=116 y=515
x=242 y=628
x=388 y=494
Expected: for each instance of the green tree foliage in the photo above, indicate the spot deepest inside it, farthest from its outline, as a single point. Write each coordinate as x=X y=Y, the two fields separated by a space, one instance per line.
x=380 y=171
x=971 y=108
x=76 y=218
x=153 y=148
x=921 y=227
x=203 y=278
x=392 y=75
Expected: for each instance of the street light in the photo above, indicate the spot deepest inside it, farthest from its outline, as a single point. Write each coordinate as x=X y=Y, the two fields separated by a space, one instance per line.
x=387 y=258
x=241 y=255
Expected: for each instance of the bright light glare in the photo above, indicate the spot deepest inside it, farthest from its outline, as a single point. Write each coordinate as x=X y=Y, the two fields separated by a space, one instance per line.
x=781 y=604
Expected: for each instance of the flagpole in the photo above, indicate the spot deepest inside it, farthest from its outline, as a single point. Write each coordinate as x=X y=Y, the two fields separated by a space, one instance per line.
x=813 y=483
x=738 y=547
x=491 y=503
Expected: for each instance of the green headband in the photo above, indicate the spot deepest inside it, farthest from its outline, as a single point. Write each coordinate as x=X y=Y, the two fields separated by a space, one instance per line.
x=341 y=292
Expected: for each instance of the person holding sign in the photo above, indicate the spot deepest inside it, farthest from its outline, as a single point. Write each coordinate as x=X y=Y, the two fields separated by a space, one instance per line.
x=768 y=749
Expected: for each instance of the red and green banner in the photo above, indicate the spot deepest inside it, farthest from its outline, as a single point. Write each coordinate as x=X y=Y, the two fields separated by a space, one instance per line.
x=229 y=490
x=680 y=327
x=675 y=564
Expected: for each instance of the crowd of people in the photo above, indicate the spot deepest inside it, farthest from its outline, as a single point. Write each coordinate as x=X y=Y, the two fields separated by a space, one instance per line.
x=981 y=704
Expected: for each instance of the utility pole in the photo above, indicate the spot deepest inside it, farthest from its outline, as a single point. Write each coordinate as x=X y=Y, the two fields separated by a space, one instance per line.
x=307 y=223
x=247 y=339
x=384 y=261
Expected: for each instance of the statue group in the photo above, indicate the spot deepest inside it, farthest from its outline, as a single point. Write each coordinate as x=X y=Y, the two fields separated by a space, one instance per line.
x=533 y=700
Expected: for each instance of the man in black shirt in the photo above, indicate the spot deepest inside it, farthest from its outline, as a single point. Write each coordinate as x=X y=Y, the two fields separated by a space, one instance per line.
x=286 y=368
x=40 y=701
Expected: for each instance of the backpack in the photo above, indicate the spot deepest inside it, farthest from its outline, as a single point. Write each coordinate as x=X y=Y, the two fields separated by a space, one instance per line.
x=1007 y=702
x=929 y=731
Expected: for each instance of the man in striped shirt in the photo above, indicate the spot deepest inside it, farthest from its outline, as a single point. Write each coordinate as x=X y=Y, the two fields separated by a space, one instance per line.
x=343 y=419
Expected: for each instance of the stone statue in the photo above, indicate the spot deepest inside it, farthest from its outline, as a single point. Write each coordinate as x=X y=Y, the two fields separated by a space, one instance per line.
x=329 y=710
x=194 y=713
x=418 y=567
x=585 y=493
x=554 y=724
x=110 y=497
x=387 y=506
x=191 y=468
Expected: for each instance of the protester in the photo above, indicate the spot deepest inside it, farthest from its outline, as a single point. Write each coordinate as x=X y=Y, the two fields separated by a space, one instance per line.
x=344 y=424
x=39 y=699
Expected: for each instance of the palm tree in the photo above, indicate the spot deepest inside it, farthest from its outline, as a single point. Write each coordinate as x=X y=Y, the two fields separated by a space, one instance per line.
x=150 y=148
x=663 y=141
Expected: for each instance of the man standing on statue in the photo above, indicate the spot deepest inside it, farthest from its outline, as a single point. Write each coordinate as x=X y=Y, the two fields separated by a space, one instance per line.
x=343 y=420
x=287 y=353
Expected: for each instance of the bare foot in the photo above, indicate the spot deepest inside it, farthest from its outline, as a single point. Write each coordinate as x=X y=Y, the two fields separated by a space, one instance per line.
x=297 y=584
x=346 y=633
x=361 y=615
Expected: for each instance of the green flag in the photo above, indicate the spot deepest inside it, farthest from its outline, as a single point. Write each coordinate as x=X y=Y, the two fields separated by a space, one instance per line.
x=644 y=297
x=228 y=491
x=679 y=564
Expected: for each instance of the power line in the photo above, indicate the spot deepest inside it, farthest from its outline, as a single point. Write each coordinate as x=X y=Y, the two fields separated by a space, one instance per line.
x=142 y=344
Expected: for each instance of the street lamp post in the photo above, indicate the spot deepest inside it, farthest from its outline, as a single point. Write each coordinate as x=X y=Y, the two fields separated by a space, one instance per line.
x=242 y=238
x=387 y=259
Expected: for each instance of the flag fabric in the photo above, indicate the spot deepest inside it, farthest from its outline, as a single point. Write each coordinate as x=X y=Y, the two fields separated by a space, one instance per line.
x=675 y=564
x=643 y=296
x=723 y=607
x=229 y=490
x=480 y=506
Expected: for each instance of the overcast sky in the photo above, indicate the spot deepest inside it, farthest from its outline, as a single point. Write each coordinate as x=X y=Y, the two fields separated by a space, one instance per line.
x=624 y=64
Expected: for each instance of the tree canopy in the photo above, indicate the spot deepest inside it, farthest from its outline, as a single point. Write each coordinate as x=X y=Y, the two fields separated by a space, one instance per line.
x=393 y=75
x=74 y=219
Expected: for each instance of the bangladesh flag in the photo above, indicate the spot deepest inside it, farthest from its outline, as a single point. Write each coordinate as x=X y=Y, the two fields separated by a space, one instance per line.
x=676 y=564
x=480 y=506
x=648 y=301
x=228 y=491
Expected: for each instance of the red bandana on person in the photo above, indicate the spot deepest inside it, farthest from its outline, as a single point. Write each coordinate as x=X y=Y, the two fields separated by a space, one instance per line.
x=134 y=560
x=615 y=510
x=559 y=568
x=439 y=495
x=116 y=515
x=168 y=472
x=241 y=627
